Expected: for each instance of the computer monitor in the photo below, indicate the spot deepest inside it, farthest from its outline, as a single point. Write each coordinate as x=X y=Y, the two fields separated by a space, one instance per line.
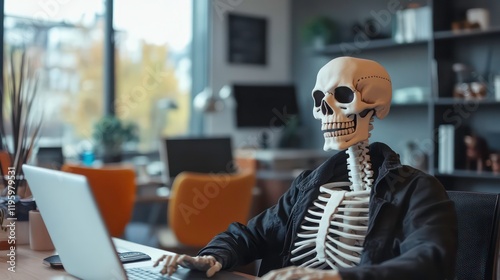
x=50 y=157
x=204 y=155
x=264 y=105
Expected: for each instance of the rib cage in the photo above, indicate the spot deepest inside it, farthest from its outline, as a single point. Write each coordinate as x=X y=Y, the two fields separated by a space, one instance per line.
x=334 y=227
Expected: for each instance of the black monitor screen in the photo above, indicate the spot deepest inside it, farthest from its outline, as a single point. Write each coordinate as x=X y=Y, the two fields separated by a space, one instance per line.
x=264 y=105
x=204 y=155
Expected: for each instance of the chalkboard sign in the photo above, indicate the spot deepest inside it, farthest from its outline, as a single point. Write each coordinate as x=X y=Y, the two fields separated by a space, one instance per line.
x=247 y=39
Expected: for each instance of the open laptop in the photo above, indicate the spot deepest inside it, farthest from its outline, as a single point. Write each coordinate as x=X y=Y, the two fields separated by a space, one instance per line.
x=79 y=234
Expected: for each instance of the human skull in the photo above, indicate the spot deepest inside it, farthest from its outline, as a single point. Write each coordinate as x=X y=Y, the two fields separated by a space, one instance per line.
x=348 y=92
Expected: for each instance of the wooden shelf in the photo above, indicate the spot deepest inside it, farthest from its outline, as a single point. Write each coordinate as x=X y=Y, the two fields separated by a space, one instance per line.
x=470 y=174
x=351 y=47
x=449 y=34
x=457 y=101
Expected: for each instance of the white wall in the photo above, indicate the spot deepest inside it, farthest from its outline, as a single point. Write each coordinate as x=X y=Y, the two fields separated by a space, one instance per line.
x=277 y=70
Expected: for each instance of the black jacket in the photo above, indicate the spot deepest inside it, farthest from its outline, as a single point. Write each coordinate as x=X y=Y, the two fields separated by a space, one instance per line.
x=412 y=232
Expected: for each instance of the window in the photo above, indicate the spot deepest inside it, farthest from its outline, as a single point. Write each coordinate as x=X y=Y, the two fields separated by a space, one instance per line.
x=153 y=64
x=65 y=40
x=153 y=79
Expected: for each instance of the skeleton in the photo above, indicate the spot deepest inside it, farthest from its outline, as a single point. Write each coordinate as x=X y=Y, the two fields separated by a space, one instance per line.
x=347 y=94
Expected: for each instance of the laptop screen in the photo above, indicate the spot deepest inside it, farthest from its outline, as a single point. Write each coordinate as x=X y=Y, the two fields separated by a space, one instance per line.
x=203 y=155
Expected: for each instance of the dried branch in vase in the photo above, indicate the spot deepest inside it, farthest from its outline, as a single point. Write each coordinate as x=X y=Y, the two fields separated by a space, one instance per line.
x=20 y=121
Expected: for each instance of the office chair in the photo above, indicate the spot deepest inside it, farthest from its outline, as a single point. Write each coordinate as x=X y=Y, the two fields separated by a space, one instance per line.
x=478 y=218
x=114 y=190
x=203 y=205
x=5 y=161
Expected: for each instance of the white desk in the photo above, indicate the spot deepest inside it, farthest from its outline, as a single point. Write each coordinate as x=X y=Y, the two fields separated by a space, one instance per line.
x=29 y=264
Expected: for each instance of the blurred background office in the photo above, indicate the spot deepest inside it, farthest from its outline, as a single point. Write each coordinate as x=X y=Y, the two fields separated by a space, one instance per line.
x=144 y=71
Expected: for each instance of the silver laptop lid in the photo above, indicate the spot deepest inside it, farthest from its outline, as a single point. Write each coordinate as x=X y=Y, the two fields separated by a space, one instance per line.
x=74 y=223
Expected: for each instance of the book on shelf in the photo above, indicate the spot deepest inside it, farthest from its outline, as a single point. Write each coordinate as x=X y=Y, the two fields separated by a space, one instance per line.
x=446 y=146
x=412 y=24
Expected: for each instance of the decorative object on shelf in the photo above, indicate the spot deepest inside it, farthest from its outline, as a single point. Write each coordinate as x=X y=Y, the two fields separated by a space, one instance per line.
x=476 y=18
x=476 y=152
x=320 y=31
x=463 y=25
x=479 y=16
x=110 y=133
x=410 y=95
x=493 y=163
x=465 y=86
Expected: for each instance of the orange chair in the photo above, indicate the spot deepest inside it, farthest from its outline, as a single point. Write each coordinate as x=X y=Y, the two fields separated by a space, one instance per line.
x=203 y=205
x=5 y=161
x=114 y=189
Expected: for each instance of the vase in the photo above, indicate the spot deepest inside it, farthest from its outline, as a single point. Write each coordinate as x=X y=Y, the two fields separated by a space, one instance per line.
x=112 y=158
x=22 y=232
x=110 y=153
x=20 y=220
x=39 y=237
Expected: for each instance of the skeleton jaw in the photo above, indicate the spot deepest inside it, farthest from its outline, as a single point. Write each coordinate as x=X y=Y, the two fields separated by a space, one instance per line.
x=338 y=129
x=340 y=135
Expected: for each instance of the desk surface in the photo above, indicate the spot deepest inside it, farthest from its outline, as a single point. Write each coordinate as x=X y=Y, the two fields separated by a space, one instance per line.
x=29 y=263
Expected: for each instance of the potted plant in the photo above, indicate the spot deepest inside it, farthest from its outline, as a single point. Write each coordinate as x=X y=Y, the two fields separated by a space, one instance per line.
x=20 y=124
x=320 y=31
x=110 y=133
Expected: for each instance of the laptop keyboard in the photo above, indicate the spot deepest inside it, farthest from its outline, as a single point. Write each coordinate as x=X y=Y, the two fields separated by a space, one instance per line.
x=145 y=274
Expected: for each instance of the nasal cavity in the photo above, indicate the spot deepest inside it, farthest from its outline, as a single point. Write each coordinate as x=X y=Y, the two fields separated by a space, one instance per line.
x=318 y=96
x=344 y=95
x=326 y=109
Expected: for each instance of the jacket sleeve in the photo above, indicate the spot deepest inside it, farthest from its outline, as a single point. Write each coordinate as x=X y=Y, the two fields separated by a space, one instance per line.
x=263 y=235
x=428 y=249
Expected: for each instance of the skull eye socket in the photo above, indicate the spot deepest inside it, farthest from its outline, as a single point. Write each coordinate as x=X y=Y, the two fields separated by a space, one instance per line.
x=318 y=96
x=344 y=95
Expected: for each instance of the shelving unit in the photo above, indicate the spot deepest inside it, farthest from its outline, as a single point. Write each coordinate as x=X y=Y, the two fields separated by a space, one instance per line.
x=480 y=117
x=478 y=49
x=370 y=45
x=450 y=35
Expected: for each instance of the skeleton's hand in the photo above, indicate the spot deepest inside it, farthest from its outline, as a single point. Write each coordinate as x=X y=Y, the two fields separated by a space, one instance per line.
x=201 y=263
x=301 y=273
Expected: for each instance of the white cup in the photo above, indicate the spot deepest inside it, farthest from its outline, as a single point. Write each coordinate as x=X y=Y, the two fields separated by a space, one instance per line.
x=479 y=15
